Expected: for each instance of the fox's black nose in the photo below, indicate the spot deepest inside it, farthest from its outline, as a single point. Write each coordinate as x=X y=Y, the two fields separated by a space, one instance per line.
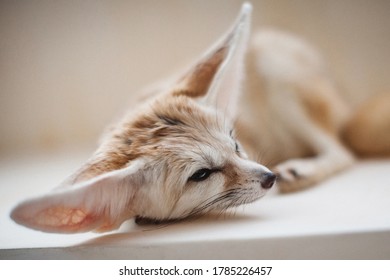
x=267 y=180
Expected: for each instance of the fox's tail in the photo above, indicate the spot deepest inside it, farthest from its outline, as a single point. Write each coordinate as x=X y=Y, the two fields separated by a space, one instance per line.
x=367 y=132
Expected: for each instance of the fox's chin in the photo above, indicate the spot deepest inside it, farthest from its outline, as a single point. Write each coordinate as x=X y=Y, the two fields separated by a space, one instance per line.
x=139 y=220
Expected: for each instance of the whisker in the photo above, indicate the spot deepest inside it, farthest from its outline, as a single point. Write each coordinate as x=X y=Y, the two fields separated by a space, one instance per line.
x=196 y=213
x=209 y=204
x=220 y=202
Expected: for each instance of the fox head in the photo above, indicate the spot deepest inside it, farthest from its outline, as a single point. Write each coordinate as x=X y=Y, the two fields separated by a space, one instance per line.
x=175 y=156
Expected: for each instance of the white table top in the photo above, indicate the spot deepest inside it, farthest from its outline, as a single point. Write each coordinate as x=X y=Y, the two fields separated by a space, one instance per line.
x=348 y=216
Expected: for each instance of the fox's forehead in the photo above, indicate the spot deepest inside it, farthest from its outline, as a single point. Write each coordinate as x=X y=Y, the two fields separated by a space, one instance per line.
x=187 y=114
x=174 y=125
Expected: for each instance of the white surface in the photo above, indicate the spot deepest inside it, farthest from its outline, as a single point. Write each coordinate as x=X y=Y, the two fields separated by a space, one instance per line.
x=347 y=216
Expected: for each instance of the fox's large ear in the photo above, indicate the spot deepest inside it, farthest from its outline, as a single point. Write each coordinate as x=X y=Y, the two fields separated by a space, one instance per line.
x=101 y=203
x=216 y=78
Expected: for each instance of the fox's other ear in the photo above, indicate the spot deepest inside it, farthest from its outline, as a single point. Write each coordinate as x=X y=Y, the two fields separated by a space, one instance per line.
x=101 y=203
x=216 y=78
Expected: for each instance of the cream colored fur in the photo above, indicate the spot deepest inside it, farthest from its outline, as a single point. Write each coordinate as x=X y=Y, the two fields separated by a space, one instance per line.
x=177 y=154
x=292 y=114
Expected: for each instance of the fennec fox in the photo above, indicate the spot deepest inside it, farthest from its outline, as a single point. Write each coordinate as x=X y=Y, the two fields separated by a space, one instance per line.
x=178 y=155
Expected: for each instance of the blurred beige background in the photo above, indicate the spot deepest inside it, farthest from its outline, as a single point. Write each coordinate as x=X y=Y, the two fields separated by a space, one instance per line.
x=67 y=68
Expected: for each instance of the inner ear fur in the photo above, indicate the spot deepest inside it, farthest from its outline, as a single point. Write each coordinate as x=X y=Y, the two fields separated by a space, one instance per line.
x=198 y=80
x=203 y=79
x=101 y=203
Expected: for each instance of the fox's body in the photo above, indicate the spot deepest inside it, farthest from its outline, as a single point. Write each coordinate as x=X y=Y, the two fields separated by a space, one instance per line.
x=291 y=113
x=286 y=90
x=192 y=146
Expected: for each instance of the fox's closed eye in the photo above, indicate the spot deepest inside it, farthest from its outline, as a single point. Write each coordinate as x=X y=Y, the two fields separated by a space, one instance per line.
x=201 y=174
x=237 y=147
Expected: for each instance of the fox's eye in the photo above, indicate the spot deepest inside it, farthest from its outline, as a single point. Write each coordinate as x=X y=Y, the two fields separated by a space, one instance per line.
x=201 y=175
x=237 y=148
x=236 y=144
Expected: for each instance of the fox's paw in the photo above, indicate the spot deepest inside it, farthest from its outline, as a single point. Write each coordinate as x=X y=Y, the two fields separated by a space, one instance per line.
x=297 y=174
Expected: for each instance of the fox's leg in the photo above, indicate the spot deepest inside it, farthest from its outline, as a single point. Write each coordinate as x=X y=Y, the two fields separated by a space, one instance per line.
x=330 y=157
